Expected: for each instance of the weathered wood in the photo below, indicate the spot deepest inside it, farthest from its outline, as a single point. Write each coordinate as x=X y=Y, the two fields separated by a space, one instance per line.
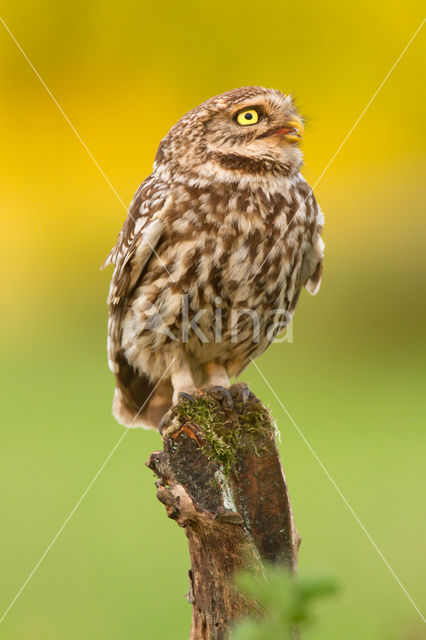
x=220 y=477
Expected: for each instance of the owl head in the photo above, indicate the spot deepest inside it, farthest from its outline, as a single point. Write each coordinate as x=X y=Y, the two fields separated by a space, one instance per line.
x=241 y=134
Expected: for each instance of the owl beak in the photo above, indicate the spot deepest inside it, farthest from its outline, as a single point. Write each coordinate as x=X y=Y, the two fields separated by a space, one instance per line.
x=293 y=130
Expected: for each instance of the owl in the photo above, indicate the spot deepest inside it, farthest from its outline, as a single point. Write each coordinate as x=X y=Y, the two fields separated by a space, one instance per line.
x=218 y=243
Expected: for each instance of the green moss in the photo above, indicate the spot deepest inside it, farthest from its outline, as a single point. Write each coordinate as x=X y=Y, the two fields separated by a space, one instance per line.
x=227 y=433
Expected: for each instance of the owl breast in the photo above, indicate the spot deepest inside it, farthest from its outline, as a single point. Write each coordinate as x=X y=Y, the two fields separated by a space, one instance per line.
x=235 y=267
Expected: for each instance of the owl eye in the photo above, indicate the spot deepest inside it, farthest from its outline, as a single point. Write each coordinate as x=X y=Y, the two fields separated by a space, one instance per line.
x=247 y=116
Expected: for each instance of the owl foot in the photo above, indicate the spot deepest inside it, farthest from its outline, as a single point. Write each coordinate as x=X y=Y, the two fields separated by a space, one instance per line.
x=240 y=395
x=221 y=394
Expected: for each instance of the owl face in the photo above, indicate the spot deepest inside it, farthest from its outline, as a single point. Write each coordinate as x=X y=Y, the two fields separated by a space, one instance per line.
x=255 y=125
x=248 y=126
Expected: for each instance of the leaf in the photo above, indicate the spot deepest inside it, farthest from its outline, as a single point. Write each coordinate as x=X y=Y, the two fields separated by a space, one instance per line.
x=286 y=600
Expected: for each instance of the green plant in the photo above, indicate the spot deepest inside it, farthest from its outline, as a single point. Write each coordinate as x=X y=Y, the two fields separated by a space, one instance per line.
x=285 y=600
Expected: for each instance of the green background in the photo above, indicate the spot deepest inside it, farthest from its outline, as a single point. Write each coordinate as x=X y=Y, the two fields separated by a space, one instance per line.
x=353 y=379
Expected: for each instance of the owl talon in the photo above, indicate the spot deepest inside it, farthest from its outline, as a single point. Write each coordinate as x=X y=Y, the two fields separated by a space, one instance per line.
x=223 y=395
x=165 y=421
x=184 y=397
x=240 y=395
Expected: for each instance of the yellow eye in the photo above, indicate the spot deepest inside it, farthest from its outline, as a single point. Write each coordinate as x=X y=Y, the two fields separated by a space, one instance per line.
x=247 y=116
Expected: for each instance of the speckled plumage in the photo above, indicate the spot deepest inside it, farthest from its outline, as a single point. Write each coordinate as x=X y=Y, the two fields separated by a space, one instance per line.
x=226 y=220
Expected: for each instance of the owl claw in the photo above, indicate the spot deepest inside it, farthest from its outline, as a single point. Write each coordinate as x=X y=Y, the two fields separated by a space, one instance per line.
x=186 y=397
x=165 y=421
x=240 y=395
x=223 y=395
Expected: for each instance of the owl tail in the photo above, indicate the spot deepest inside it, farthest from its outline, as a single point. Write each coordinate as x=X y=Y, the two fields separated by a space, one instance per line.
x=137 y=401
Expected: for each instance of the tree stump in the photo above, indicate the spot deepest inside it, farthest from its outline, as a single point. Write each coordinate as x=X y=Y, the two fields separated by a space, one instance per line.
x=221 y=479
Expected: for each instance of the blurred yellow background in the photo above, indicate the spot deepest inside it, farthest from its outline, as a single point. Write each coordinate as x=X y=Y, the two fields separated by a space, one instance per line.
x=353 y=380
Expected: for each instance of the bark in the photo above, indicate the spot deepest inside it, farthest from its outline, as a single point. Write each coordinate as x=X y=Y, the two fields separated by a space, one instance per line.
x=221 y=479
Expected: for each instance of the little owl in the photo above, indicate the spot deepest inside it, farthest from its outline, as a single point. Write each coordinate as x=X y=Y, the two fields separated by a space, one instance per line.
x=218 y=243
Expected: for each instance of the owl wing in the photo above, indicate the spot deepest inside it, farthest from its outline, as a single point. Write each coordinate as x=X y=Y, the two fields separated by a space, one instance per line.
x=314 y=259
x=136 y=244
x=136 y=241
x=130 y=256
x=313 y=283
